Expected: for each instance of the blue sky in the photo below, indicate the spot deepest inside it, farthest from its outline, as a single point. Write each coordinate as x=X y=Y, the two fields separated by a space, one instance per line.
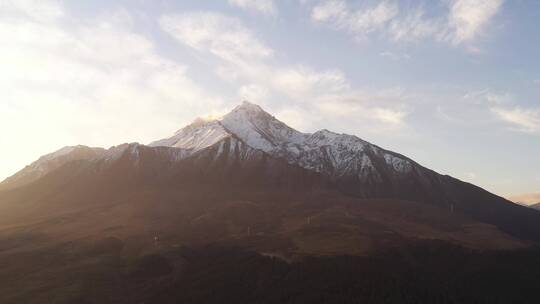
x=453 y=84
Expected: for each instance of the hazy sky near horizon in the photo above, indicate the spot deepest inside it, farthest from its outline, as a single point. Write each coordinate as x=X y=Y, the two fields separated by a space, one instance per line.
x=453 y=84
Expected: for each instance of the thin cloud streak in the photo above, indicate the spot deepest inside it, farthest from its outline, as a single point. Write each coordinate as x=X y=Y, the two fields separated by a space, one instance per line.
x=521 y=119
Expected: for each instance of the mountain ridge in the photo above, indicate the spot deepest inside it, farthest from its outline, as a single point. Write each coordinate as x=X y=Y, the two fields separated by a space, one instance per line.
x=48 y=163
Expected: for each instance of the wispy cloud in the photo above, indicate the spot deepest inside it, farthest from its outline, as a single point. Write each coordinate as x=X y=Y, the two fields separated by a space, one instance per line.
x=468 y=18
x=335 y=12
x=258 y=74
x=216 y=33
x=464 y=22
x=522 y=119
x=413 y=26
x=395 y=56
x=37 y=10
x=244 y=56
x=253 y=92
x=385 y=106
x=68 y=81
x=487 y=97
x=300 y=82
x=265 y=7
x=389 y=115
x=360 y=22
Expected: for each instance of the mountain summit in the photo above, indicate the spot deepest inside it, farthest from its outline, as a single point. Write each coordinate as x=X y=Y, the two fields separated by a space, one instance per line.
x=247 y=121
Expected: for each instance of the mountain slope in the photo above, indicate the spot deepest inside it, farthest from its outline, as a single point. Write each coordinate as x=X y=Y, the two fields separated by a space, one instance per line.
x=198 y=135
x=129 y=226
x=228 y=193
x=49 y=163
x=359 y=168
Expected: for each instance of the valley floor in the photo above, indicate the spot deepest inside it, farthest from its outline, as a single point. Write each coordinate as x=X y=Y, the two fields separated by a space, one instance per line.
x=423 y=272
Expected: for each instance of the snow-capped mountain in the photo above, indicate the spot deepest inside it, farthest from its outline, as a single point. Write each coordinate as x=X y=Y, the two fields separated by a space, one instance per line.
x=250 y=148
x=342 y=157
x=323 y=151
x=245 y=181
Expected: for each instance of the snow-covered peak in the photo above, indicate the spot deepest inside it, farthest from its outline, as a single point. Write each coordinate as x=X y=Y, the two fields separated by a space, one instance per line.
x=248 y=107
x=248 y=121
x=260 y=129
x=198 y=135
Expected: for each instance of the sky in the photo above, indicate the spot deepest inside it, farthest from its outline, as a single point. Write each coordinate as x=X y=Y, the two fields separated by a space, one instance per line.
x=452 y=84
